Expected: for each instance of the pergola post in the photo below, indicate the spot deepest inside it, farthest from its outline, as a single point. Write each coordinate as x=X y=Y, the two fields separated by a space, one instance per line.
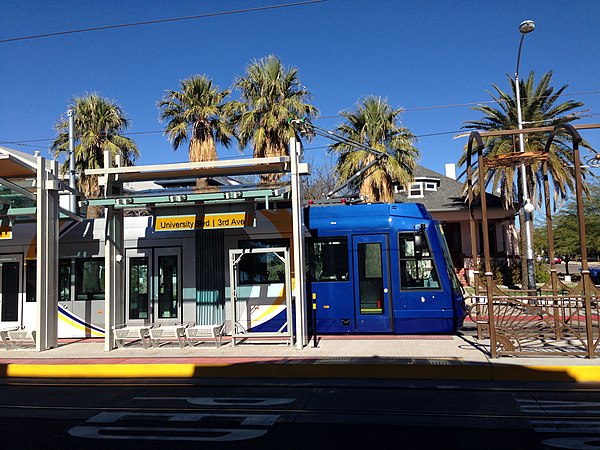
x=586 y=282
x=475 y=136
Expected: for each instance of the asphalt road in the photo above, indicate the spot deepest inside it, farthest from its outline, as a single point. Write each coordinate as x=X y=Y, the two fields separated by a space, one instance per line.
x=301 y=415
x=574 y=267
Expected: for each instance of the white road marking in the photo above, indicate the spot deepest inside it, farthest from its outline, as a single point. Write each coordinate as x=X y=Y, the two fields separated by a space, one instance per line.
x=94 y=427
x=552 y=425
x=574 y=443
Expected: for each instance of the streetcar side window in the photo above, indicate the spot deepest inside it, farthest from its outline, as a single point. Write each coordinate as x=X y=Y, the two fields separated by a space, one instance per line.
x=89 y=279
x=417 y=272
x=64 y=280
x=328 y=259
x=30 y=280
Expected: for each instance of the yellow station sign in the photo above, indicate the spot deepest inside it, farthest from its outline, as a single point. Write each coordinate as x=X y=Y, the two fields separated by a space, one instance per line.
x=204 y=222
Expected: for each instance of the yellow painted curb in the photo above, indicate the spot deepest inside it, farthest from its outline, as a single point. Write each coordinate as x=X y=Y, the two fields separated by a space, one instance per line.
x=483 y=372
x=100 y=370
x=345 y=371
x=577 y=373
x=546 y=373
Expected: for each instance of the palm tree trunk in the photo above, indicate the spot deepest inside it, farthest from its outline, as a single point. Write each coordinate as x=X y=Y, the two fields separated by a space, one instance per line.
x=367 y=188
x=88 y=185
x=202 y=150
x=271 y=149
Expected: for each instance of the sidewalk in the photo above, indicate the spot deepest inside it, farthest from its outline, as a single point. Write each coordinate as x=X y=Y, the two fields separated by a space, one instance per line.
x=342 y=357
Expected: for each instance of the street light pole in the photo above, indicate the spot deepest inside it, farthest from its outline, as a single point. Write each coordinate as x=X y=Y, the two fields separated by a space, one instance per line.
x=72 y=182
x=525 y=27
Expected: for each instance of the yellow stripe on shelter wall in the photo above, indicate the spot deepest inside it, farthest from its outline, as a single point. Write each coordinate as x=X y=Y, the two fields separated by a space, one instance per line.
x=79 y=327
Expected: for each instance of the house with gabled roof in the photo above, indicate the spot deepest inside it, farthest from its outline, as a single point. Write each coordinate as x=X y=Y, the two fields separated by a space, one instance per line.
x=444 y=198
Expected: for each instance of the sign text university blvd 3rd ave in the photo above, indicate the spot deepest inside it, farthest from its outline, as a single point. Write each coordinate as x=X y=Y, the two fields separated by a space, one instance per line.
x=206 y=221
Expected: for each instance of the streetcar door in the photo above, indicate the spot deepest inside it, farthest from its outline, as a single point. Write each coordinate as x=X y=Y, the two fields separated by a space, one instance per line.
x=86 y=308
x=11 y=292
x=371 y=287
x=153 y=286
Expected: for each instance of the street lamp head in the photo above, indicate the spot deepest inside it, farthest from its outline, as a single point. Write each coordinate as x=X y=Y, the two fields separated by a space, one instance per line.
x=528 y=207
x=593 y=161
x=527 y=26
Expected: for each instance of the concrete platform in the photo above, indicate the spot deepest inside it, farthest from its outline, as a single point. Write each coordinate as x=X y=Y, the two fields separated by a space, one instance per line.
x=459 y=357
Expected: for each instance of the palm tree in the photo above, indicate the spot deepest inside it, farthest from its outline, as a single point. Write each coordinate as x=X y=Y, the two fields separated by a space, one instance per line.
x=99 y=125
x=197 y=112
x=375 y=123
x=540 y=107
x=271 y=94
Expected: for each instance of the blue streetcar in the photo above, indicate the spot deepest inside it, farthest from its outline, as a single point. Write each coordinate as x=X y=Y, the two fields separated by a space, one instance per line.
x=381 y=268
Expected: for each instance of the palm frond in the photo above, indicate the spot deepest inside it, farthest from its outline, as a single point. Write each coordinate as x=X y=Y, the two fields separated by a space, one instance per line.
x=539 y=107
x=198 y=111
x=375 y=123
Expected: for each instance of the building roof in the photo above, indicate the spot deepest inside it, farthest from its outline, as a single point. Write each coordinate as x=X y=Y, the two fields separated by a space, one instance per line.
x=24 y=156
x=448 y=196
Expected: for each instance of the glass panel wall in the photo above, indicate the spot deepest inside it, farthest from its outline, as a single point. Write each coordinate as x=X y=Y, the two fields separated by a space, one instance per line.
x=10 y=292
x=138 y=288
x=167 y=287
x=262 y=267
x=89 y=279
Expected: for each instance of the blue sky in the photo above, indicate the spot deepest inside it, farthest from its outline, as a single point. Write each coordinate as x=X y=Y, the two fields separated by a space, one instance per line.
x=423 y=56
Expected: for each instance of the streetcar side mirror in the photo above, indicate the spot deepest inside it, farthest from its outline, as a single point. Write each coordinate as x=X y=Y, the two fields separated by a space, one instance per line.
x=419 y=241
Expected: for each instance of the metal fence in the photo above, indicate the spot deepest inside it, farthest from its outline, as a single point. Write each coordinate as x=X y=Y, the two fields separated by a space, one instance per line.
x=544 y=324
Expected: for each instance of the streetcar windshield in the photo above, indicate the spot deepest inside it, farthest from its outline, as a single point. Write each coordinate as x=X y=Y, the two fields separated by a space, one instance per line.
x=449 y=266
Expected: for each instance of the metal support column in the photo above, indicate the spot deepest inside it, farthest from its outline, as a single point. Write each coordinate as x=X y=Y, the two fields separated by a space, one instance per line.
x=298 y=244
x=114 y=260
x=47 y=257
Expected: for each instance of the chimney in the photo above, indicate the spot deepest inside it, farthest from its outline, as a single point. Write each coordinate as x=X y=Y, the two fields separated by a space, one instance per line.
x=451 y=171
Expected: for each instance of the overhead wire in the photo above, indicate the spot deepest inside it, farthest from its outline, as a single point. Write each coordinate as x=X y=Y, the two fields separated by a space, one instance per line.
x=232 y=12
x=27 y=142
x=152 y=22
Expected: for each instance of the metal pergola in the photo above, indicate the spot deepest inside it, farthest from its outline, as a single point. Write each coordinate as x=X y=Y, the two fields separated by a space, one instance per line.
x=555 y=319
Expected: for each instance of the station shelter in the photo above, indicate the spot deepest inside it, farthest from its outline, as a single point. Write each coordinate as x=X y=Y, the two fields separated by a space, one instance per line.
x=188 y=278
x=30 y=189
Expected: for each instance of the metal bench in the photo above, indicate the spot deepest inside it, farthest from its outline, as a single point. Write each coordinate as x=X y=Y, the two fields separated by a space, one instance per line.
x=200 y=333
x=4 y=337
x=17 y=337
x=131 y=333
x=168 y=333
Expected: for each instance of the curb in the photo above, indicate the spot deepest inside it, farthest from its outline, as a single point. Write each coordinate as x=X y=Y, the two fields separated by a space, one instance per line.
x=440 y=371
